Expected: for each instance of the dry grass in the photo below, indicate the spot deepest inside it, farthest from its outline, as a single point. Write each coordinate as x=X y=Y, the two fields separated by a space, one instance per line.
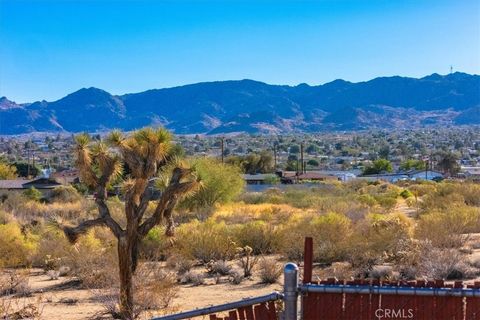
x=269 y=270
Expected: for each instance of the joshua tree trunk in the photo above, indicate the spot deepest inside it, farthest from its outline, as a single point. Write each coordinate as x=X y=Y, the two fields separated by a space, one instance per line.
x=145 y=153
x=125 y=266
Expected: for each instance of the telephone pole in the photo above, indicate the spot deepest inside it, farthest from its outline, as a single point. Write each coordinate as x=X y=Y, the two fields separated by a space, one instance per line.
x=28 y=163
x=301 y=158
x=223 y=148
x=275 y=156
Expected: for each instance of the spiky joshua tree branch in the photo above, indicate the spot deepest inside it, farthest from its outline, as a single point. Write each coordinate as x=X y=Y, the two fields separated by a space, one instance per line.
x=147 y=154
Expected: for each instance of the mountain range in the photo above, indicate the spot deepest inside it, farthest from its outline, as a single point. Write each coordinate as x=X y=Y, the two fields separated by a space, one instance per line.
x=257 y=107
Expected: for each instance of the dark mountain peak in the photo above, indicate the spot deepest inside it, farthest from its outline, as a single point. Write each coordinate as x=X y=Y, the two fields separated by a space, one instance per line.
x=433 y=77
x=253 y=106
x=455 y=76
x=85 y=96
x=336 y=84
x=6 y=104
x=92 y=91
x=303 y=85
x=233 y=84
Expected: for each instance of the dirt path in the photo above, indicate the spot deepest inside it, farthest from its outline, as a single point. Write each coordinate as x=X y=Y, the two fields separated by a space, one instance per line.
x=63 y=299
x=402 y=207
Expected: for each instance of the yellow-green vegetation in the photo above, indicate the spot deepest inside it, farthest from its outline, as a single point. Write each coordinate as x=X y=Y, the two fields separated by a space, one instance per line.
x=220 y=183
x=7 y=171
x=15 y=248
x=418 y=227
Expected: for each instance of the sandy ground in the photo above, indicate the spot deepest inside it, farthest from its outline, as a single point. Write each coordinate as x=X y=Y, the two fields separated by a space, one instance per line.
x=65 y=299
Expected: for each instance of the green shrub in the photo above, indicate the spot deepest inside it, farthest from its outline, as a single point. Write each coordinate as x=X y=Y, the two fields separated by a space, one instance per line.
x=368 y=200
x=331 y=235
x=15 y=248
x=32 y=194
x=94 y=261
x=379 y=238
x=388 y=202
x=64 y=194
x=261 y=236
x=448 y=229
x=52 y=246
x=220 y=183
x=330 y=232
x=405 y=194
x=155 y=244
x=205 y=241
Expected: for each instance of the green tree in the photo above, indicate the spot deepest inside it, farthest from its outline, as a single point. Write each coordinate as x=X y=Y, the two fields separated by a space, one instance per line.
x=449 y=163
x=313 y=163
x=294 y=149
x=292 y=165
x=253 y=162
x=384 y=151
x=378 y=166
x=311 y=149
x=412 y=164
x=24 y=168
x=147 y=154
x=220 y=183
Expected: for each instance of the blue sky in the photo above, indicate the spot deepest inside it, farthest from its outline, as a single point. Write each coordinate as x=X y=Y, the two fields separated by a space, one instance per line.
x=51 y=48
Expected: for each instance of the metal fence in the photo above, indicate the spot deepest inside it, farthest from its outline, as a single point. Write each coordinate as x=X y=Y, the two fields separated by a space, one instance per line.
x=258 y=308
x=334 y=299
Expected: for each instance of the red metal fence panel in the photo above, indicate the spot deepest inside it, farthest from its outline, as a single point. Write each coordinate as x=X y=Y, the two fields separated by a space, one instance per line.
x=391 y=303
x=359 y=306
x=262 y=311
x=472 y=311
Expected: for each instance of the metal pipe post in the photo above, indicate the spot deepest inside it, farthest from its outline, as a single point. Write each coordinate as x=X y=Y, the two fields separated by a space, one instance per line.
x=290 y=291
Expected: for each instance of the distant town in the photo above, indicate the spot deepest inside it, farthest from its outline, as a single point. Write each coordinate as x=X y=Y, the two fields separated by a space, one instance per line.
x=431 y=154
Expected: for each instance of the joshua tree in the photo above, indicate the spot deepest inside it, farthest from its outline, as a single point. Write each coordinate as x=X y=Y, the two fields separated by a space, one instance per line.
x=147 y=153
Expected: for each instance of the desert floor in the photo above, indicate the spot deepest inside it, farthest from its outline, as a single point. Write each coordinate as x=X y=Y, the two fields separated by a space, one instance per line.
x=66 y=299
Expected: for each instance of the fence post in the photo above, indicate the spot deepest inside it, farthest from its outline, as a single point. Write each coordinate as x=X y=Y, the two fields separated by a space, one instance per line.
x=308 y=260
x=290 y=291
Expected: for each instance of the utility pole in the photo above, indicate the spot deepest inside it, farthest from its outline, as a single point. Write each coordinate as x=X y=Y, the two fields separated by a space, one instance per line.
x=275 y=156
x=301 y=158
x=33 y=160
x=223 y=148
x=427 y=164
x=28 y=163
x=297 y=174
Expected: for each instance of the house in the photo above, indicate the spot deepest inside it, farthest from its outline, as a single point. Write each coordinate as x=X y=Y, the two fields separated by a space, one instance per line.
x=389 y=177
x=407 y=175
x=290 y=177
x=471 y=173
x=425 y=175
x=261 y=178
x=44 y=185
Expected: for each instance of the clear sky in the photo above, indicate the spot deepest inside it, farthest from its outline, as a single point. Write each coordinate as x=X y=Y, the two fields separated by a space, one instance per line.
x=51 y=48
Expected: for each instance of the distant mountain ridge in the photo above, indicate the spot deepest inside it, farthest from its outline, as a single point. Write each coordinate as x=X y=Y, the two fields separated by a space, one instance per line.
x=257 y=107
